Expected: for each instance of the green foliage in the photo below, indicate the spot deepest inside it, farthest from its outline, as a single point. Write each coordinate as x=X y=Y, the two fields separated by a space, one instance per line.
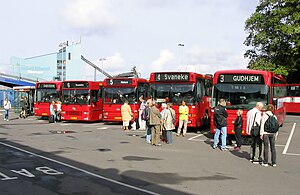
x=274 y=35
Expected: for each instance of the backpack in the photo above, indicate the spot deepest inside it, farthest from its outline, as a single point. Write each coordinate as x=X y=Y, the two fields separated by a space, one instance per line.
x=145 y=114
x=271 y=124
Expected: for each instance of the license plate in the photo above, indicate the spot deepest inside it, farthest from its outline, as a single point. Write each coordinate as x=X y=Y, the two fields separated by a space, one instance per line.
x=118 y=117
x=44 y=114
x=73 y=118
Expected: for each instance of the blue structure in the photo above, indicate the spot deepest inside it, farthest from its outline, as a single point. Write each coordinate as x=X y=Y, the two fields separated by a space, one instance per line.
x=9 y=82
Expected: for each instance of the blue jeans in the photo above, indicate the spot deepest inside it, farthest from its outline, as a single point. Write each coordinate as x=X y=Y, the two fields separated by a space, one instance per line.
x=148 y=136
x=6 y=114
x=223 y=130
x=169 y=137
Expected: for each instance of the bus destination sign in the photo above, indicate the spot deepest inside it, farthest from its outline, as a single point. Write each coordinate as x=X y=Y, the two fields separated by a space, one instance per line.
x=240 y=78
x=46 y=86
x=76 y=85
x=171 y=77
x=119 y=82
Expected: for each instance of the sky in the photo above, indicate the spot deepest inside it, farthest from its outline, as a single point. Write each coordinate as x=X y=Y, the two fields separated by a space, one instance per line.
x=127 y=33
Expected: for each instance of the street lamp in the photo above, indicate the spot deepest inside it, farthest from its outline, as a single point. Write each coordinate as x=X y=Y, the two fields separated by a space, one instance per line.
x=101 y=60
x=180 y=60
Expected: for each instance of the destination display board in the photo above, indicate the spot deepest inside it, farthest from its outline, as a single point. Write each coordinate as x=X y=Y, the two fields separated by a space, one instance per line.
x=241 y=78
x=75 y=84
x=171 y=77
x=118 y=82
x=46 y=86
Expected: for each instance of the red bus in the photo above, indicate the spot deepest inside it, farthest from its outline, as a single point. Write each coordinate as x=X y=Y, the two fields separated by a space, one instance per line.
x=242 y=89
x=193 y=88
x=81 y=101
x=292 y=101
x=117 y=90
x=46 y=92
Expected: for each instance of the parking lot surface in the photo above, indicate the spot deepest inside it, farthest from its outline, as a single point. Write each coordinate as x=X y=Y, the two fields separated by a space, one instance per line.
x=100 y=158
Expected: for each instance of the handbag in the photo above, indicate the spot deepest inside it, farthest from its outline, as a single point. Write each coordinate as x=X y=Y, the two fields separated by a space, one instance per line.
x=255 y=130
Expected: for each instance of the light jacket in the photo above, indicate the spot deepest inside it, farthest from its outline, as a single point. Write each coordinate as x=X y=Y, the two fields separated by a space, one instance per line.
x=168 y=119
x=183 y=112
x=6 y=105
x=250 y=118
x=126 y=112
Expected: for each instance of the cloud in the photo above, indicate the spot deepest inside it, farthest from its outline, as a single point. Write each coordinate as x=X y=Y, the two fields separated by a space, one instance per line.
x=164 y=62
x=210 y=61
x=90 y=16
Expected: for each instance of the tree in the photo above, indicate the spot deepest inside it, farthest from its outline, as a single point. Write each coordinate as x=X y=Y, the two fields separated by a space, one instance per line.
x=273 y=32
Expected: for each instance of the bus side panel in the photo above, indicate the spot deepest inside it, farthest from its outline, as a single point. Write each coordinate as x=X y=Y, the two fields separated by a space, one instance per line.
x=292 y=105
x=112 y=112
x=42 y=109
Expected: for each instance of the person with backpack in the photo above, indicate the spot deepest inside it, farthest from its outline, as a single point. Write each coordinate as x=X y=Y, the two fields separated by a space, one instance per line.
x=168 y=122
x=269 y=131
x=253 y=124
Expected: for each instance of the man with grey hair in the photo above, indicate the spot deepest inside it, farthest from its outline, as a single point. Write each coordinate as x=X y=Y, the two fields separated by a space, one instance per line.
x=154 y=121
x=254 y=121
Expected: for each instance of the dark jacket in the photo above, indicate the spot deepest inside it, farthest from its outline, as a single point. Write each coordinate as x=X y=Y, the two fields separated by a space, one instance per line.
x=220 y=115
x=238 y=123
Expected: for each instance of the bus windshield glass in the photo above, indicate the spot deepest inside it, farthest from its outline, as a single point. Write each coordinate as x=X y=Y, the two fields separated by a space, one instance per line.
x=46 y=95
x=244 y=96
x=75 y=96
x=174 y=92
x=119 y=95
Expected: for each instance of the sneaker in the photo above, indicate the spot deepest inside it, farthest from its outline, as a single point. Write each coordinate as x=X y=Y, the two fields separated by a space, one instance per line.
x=264 y=164
x=255 y=162
x=251 y=160
x=237 y=148
x=214 y=147
x=158 y=145
x=274 y=165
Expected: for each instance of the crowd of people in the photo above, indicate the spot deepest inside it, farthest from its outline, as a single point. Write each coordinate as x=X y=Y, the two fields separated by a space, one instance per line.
x=262 y=126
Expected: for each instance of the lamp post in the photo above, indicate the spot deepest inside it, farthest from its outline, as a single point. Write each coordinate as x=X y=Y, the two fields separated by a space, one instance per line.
x=180 y=60
x=101 y=60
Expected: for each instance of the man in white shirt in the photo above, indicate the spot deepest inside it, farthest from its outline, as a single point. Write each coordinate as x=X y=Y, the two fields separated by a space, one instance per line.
x=7 y=107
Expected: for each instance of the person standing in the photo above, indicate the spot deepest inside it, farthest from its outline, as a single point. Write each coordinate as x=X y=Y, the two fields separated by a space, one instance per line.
x=58 y=110
x=220 y=116
x=23 y=105
x=254 y=119
x=169 y=120
x=52 y=112
x=268 y=137
x=143 y=105
x=7 y=107
x=126 y=115
x=155 y=124
x=183 y=118
x=238 y=125
x=162 y=113
x=146 y=118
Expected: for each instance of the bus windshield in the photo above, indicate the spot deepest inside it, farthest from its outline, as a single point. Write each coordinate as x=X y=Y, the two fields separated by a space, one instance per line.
x=174 y=92
x=119 y=95
x=243 y=96
x=81 y=97
x=46 y=95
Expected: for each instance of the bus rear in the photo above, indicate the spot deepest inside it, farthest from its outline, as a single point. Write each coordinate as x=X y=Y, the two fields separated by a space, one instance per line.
x=292 y=101
x=117 y=90
x=193 y=88
x=46 y=92
x=242 y=89
x=81 y=101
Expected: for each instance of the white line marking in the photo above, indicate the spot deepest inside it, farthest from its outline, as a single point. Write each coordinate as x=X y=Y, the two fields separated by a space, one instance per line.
x=64 y=124
x=289 y=139
x=102 y=128
x=82 y=170
x=195 y=136
x=292 y=154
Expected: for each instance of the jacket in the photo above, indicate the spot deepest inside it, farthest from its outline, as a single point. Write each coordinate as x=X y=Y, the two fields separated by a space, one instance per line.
x=183 y=113
x=251 y=115
x=154 y=116
x=238 y=123
x=168 y=119
x=220 y=115
x=126 y=112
